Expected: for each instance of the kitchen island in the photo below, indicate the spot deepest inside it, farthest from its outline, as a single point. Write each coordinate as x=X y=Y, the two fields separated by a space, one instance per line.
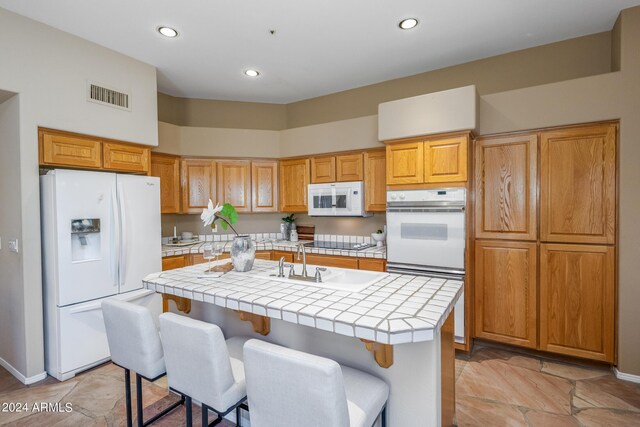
x=398 y=328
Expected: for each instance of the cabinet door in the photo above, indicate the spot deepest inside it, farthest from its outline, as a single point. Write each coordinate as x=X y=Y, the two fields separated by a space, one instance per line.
x=121 y=157
x=578 y=185
x=577 y=297
x=349 y=168
x=405 y=163
x=268 y=255
x=167 y=168
x=375 y=181
x=506 y=181
x=234 y=184
x=323 y=169
x=69 y=150
x=445 y=160
x=372 y=264
x=264 y=186
x=505 y=292
x=198 y=184
x=294 y=179
x=329 y=261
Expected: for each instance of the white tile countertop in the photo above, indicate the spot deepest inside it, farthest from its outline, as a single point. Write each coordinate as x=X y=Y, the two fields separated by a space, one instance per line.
x=395 y=310
x=272 y=243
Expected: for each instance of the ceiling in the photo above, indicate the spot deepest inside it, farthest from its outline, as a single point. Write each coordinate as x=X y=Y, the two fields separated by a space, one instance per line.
x=318 y=47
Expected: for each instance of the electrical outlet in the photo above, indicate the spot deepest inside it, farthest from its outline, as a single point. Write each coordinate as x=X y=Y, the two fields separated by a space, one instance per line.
x=13 y=245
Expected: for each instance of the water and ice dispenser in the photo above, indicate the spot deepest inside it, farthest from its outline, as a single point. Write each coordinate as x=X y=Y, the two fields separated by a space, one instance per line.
x=85 y=239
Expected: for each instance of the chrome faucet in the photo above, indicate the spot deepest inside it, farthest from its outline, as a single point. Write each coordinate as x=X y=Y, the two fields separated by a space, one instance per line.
x=304 y=259
x=281 y=267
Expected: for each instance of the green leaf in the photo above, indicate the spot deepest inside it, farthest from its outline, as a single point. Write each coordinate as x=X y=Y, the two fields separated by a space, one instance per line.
x=229 y=212
x=224 y=225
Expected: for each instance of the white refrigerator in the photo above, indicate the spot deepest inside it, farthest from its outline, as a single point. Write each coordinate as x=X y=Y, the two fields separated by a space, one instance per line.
x=101 y=236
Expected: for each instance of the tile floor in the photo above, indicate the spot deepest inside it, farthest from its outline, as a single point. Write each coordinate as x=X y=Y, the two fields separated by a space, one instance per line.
x=494 y=387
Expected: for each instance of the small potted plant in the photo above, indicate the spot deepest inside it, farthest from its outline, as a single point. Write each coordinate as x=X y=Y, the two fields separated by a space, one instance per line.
x=379 y=236
x=243 y=251
x=288 y=224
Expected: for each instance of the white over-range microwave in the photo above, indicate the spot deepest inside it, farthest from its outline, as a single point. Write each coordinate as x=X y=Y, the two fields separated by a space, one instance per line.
x=337 y=199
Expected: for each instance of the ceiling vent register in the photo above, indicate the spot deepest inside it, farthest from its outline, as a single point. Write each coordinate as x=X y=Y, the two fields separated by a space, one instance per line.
x=107 y=96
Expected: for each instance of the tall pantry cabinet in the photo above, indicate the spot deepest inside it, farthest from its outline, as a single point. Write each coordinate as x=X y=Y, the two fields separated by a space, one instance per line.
x=545 y=226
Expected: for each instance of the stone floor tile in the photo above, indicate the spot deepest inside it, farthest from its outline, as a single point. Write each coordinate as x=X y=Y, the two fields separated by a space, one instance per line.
x=495 y=379
x=572 y=372
x=96 y=394
x=578 y=403
x=54 y=419
x=610 y=392
x=51 y=393
x=511 y=358
x=545 y=419
x=608 y=418
x=471 y=412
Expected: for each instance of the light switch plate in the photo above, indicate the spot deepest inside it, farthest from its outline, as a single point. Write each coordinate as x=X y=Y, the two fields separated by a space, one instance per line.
x=13 y=245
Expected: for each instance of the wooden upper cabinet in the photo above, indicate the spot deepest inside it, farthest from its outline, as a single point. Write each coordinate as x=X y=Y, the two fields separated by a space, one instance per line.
x=124 y=157
x=445 y=160
x=578 y=184
x=323 y=169
x=505 y=292
x=375 y=182
x=405 y=163
x=167 y=168
x=234 y=184
x=264 y=186
x=349 y=167
x=62 y=149
x=198 y=184
x=294 y=179
x=577 y=300
x=506 y=182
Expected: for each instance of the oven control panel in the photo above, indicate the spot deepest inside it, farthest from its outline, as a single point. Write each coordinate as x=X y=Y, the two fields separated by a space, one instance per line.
x=434 y=195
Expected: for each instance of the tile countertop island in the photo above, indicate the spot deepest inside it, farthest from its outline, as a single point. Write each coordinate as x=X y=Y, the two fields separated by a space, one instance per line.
x=404 y=320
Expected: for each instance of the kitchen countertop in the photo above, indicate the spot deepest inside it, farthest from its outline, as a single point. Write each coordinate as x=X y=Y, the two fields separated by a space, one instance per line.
x=279 y=245
x=394 y=310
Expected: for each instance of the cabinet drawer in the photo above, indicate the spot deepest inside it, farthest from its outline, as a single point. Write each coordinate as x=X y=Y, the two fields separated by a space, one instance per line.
x=331 y=261
x=122 y=157
x=288 y=256
x=268 y=255
x=66 y=150
x=171 y=262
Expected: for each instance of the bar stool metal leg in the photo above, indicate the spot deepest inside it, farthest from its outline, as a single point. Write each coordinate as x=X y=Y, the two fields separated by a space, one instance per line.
x=205 y=415
x=238 y=416
x=384 y=416
x=187 y=402
x=127 y=392
x=139 y=399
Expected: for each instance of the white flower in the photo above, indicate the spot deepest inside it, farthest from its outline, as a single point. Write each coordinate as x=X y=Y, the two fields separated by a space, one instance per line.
x=209 y=214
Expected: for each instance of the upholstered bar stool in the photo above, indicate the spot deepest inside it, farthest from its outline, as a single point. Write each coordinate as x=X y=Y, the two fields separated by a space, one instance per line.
x=135 y=345
x=289 y=388
x=201 y=365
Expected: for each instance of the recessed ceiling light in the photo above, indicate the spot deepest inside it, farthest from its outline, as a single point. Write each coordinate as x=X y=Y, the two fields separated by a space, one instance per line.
x=168 y=32
x=407 y=24
x=252 y=73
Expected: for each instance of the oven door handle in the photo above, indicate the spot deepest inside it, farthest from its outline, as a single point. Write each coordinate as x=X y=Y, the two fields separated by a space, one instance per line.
x=453 y=209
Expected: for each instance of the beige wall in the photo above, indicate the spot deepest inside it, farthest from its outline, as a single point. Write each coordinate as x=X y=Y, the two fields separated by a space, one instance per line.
x=49 y=70
x=221 y=114
x=12 y=333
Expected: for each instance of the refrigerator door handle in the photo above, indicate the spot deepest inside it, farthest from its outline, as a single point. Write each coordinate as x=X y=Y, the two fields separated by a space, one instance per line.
x=115 y=254
x=123 y=233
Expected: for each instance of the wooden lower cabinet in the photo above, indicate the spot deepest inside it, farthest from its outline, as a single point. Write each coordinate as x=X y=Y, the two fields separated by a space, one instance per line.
x=179 y=261
x=505 y=292
x=331 y=261
x=172 y=262
x=577 y=300
x=288 y=256
x=372 y=264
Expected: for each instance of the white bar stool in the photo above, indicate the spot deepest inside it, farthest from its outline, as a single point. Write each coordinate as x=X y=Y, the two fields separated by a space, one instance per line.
x=135 y=345
x=289 y=388
x=201 y=365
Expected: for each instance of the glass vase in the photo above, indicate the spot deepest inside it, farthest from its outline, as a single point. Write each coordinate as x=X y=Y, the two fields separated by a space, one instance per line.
x=243 y=253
